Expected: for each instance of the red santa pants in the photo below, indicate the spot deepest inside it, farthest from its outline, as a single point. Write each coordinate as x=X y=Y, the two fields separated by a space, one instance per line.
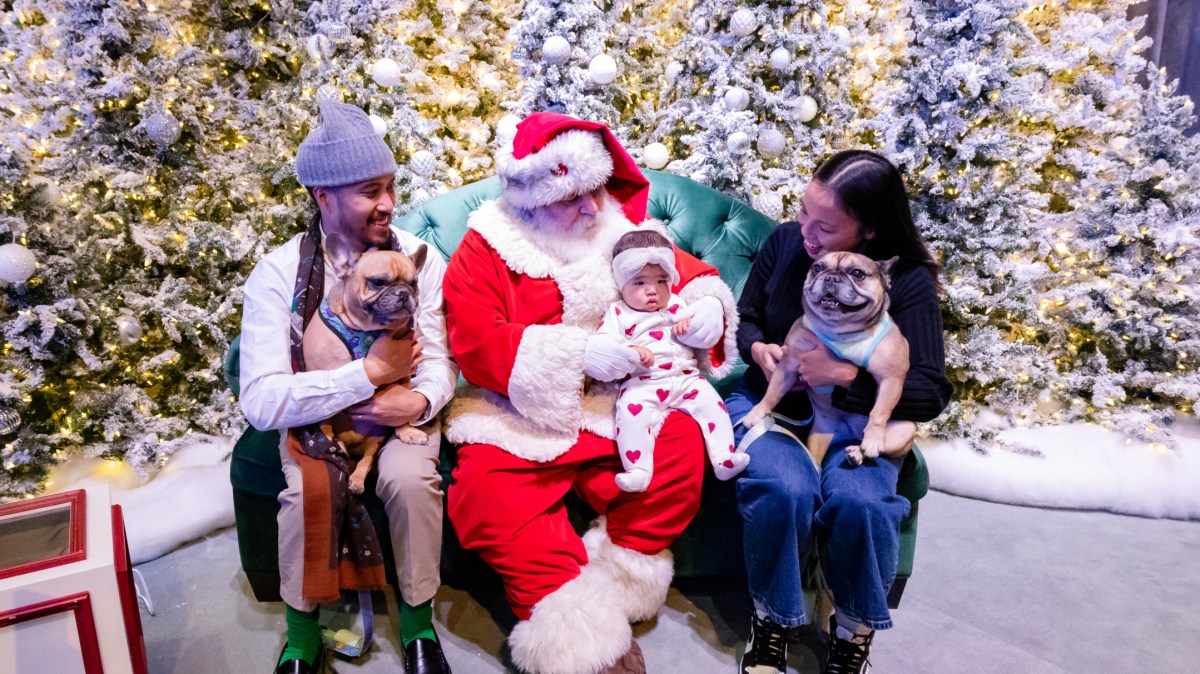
x=510 y=510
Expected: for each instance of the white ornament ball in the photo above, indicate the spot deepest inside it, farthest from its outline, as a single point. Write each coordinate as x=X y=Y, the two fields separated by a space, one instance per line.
x=743 y=22
x=379 y=125
x=736 y=99
x=700 y=26
x=386 y=72
x=17 y=263
x=672 y=70
x=423 y=163
x=771 y=143
x=556 y=50
x=738 y=142
x=841 y=33
x=603 y=69
x=507 y=126
x=329 y=92
x=129 y=330
x=319 y=47
x=48 y=193
x=161 y=128
x=656 y=155
x=781 y=59
x=806 y=108
x=769 y=204
x=419 y=196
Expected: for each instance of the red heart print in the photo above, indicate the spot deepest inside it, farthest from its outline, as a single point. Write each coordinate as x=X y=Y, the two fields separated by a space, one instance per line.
x=711 y=427
x=689 y=371
x=600 y=326
x=691 y=395
x=635 y=409
x=722 y=406
x=629 y=332
x=732 y=450
x=673 y=308
x=633 y=455
x=644 y=377
x=662 y=394
x=665 y=366
x=618 y=310
x=657 y=334
x=728 y=463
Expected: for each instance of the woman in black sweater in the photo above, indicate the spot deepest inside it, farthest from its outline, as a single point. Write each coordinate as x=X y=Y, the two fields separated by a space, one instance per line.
x=856 y=202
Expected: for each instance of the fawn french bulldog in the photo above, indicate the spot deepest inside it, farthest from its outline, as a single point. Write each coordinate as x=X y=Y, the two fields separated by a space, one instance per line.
x=845 y=307
x=375 y=297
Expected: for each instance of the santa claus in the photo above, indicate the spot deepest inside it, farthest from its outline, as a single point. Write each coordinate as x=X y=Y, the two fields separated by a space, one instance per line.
x=525 y=292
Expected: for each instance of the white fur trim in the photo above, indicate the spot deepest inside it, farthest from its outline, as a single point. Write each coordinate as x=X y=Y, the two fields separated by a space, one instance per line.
x=577 y=629
x=546 y=384
x=713 y=286
x=629 y=262
x=640 y=581
x=572 y=163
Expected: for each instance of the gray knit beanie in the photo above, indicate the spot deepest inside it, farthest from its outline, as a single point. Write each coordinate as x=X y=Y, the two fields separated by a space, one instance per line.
x=343 y=150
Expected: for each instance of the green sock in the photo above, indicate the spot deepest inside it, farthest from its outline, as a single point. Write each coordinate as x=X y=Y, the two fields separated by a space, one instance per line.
x=303 y=636
x=416 y=622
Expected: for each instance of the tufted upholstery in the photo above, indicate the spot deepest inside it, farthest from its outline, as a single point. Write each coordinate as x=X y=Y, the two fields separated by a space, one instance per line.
x=717 y=229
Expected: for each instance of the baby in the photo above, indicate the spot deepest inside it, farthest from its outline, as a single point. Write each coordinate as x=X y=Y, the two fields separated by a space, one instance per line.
x=648 y=318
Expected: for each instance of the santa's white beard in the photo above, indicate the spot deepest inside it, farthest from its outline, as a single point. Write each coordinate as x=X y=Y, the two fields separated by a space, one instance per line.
x=582 y=237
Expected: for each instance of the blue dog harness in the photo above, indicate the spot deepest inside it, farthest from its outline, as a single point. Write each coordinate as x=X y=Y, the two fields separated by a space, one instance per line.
x=357 y=342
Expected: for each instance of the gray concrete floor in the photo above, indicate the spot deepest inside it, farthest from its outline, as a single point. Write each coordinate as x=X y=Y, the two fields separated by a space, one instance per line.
x=996 y=589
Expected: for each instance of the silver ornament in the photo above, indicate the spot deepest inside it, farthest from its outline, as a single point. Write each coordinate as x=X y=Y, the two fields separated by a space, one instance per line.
x=10 y=421
x=329 y=92
x=129 y=330
x=422 y=163
x=336 y=30
x=603 y=69
x=700 y=26
x=771 y=143
x=736 y=99
x=743 y=22
x=781 y=59
x=769 y=204
x=806 y=108
x=556 y=50
x=161 y=128
x=738 y=142
x=17 y=263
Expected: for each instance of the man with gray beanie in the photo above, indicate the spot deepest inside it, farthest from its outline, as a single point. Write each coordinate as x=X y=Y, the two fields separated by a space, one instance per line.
x=350 y=173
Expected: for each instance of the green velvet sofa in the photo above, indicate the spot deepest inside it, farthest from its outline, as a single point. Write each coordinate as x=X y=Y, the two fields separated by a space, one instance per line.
x=720 y=230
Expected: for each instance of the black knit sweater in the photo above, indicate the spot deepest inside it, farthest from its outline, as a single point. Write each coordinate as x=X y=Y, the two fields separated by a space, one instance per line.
x=773 y=299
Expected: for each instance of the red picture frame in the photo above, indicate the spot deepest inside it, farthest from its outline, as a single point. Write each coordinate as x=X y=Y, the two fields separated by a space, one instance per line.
x=77 y=549
x=85 y=624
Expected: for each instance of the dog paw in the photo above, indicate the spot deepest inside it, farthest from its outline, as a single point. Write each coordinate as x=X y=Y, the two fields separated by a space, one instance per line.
x=756 y=415
x=731 y=465
x=854 y=455
x=633 y=481
x=411 y=435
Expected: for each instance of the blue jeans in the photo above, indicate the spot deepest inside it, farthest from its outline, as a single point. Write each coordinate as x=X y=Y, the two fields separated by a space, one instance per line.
x=852 y=513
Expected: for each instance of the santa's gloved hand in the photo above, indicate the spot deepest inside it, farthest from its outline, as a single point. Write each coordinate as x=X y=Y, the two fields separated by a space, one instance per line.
x=607 y=359
x=708 y=323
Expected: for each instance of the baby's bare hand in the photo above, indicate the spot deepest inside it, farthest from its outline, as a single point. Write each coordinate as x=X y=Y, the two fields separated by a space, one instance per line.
x=644 y=354
x=681 y=327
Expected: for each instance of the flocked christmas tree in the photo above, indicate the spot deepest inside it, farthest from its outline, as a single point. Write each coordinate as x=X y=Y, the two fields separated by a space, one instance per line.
x=147 y=152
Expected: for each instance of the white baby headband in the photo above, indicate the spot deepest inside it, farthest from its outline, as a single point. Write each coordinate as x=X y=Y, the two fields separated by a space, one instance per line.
x=629 y=262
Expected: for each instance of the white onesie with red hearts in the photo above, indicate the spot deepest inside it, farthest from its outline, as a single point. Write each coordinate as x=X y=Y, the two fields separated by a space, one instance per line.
x=651 y=393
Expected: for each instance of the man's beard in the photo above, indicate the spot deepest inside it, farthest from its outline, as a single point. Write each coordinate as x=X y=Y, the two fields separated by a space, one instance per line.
x=578 y=239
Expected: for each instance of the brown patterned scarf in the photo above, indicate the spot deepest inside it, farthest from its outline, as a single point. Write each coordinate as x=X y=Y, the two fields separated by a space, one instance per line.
x=341 y=549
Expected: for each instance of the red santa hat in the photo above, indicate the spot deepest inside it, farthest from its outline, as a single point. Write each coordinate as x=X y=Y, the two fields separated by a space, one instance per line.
x=555 y=157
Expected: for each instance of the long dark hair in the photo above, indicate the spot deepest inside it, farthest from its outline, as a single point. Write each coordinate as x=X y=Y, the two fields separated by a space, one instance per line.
x=869 y=188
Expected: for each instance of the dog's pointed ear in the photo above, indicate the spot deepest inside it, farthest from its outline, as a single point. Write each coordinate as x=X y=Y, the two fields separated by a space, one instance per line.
x=885 y=266
x=339 y=255
x=418 y=257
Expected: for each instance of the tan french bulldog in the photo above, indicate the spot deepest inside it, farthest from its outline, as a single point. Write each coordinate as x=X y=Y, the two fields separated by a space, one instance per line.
x=376 y=290
x=845 y=306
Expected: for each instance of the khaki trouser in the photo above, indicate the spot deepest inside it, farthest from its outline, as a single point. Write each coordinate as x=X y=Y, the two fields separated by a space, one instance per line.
x=411 y=490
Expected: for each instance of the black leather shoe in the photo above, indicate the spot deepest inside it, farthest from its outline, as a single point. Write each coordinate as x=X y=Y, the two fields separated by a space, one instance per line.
x=424 y=656
x=296 y=666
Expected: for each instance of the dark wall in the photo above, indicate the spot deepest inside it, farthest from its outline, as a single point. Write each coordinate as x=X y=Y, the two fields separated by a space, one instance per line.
x=1174 y=25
